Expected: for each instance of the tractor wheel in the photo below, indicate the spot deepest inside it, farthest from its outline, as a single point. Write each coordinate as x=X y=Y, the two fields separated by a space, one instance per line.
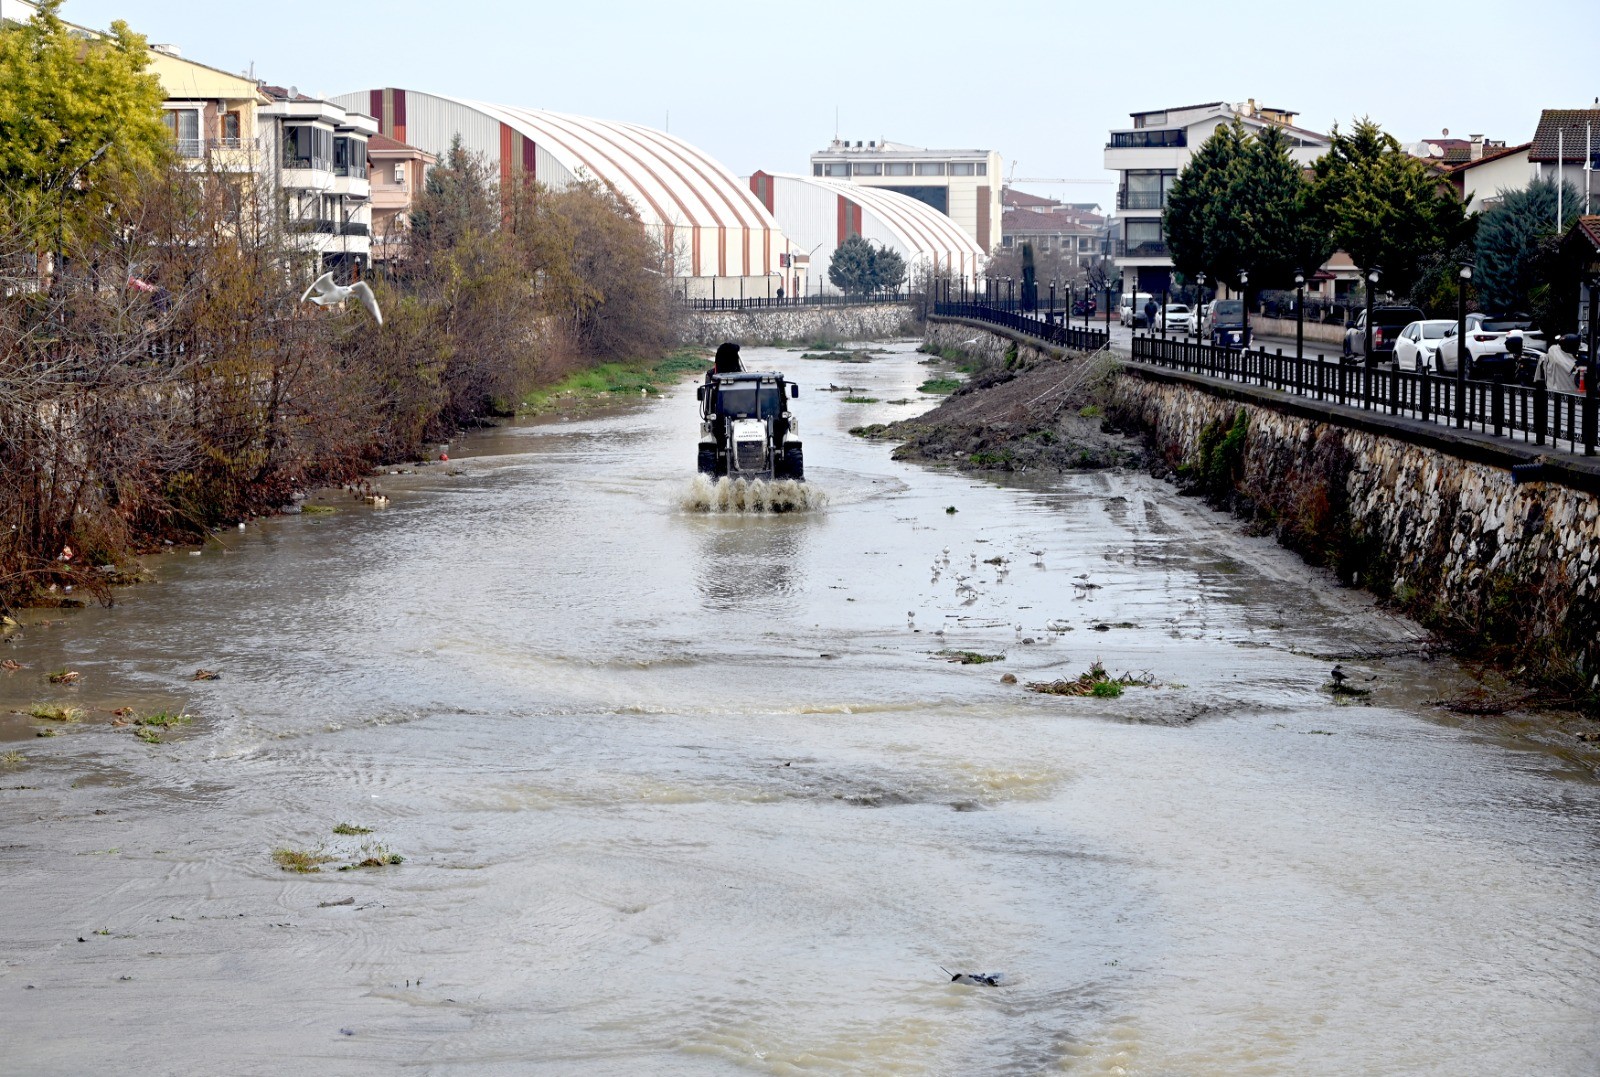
x=706 y=461
x=794 y=463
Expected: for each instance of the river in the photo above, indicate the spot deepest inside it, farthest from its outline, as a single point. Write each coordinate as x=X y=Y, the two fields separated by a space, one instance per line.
x=690 y=793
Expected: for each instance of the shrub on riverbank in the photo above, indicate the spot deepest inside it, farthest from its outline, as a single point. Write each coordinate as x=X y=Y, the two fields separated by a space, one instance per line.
x=169 y=381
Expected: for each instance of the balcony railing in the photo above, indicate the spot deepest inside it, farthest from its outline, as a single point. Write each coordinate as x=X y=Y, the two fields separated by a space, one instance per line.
x=324 y=226
x=1150 y=248
x=1127 y=199
x=194 y=149
x=1147 y=139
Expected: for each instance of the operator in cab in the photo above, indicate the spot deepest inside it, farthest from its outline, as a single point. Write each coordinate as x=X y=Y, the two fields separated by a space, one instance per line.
x=727 y=360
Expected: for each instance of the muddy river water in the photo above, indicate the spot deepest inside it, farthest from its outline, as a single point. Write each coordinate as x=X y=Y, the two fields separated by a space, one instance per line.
x=680 y=792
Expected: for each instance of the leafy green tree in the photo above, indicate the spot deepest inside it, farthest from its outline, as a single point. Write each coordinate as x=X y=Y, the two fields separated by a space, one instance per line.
x=73 y=110
x=1384 y=207
x=859 y=267
x=1510 y=243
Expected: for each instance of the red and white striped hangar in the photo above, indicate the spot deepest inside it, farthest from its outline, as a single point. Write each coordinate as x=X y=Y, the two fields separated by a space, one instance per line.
x=819 y=214
x=716 y=233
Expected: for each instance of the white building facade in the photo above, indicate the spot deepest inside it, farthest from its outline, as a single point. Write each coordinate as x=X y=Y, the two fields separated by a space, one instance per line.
x=323 y=191
x=964 y=185
x=1149 y=155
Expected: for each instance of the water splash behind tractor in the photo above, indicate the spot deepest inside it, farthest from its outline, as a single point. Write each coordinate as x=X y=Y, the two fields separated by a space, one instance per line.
x=706 y=494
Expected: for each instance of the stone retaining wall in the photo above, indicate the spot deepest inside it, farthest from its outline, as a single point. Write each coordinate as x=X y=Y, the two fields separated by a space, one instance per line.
x=1322 y=334
x=1512 y=569
x=870 y=321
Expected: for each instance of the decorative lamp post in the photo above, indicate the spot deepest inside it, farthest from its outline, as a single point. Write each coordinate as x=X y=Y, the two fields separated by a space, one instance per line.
x=1199 y=301
x=1461 y=341
x=1372 y=287
x=1244 y=301
x=1299 y=315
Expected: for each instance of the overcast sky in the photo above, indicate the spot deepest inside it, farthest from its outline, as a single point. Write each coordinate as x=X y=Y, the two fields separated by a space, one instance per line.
x=757 y=84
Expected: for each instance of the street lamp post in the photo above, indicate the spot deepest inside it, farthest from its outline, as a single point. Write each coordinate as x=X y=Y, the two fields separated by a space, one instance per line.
x=1244 y=301
x=1461 y=342
x=1299 y=315
x=1372 y=286
x=1199 y=301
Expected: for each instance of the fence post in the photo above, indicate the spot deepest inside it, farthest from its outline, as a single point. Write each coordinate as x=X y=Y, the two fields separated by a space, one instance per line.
x=1541 y=405
x=1497 y=404
x=1425 y=396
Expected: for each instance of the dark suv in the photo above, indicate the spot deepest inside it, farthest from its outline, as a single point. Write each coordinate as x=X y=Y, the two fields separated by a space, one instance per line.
x=1387 y=322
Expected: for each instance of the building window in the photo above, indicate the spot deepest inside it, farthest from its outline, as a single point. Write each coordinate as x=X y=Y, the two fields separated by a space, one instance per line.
x=349 y=157
x=231 y=129
x=962 y=168
x=835 y=170
x=183 y=124
x=897 y=168
x=930 y=169
x=1044 y=243
x=983 y=169
x=869 y=170
x=400 y=173
x=1007 y=241
x=1126 y=140
x=816 y=170
x=307 y=146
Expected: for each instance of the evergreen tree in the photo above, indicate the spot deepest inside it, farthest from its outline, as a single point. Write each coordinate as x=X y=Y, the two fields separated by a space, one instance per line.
x=859 y=267
x=1510 y=243
x=1384 y=207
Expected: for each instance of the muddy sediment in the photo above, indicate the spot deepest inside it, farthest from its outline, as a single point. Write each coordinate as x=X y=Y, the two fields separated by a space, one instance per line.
x=1020 y=413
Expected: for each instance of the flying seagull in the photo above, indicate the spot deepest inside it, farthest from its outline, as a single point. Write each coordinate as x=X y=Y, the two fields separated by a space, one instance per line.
x=330 y=294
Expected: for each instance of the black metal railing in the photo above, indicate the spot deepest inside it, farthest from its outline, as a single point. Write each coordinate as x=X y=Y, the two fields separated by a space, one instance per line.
x=1147 y=248
x=1530 y=413
x=765 y=303
x=1127 y=199
x=1062 y=334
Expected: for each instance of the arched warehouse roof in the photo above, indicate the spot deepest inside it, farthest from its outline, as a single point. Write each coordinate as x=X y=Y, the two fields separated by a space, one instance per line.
x=819 y=214
x=708 y=221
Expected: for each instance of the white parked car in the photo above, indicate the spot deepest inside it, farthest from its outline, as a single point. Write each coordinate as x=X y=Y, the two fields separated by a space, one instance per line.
x=1486 y=342
x=1418 y=343
x=1178 y=318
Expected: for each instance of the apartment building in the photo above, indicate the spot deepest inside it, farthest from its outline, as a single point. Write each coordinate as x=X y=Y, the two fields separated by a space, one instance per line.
x=964 y=185
x=322 y=190
x=1147 y=157
x=396 y=171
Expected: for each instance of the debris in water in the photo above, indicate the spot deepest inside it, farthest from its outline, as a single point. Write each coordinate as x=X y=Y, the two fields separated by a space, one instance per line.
x=334 y=904
x=975 y=979
x=753 y=496
x=206 y=675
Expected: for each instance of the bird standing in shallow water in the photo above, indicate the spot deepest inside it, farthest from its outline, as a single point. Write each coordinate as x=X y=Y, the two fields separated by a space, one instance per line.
x=1337 y=674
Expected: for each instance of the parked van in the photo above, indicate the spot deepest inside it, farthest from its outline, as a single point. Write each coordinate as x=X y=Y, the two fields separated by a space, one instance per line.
x=1132 y=310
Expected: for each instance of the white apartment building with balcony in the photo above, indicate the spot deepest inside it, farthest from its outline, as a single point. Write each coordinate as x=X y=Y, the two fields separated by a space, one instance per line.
x=323 y=190
x=964 y=185
x=1147 y=158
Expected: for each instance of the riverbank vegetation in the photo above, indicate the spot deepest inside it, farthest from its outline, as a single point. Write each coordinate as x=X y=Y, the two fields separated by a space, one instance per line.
x=158 y=375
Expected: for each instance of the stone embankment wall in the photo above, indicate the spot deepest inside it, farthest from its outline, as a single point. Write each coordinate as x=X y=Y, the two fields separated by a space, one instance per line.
x=1424 y=515
x=870 y=321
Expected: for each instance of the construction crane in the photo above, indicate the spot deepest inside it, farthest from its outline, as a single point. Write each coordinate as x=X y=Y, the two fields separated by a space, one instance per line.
x=1037 y=179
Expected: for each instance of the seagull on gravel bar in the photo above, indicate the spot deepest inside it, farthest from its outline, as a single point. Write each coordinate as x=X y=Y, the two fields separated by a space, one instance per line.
x=1337 y=674
x=330 y=294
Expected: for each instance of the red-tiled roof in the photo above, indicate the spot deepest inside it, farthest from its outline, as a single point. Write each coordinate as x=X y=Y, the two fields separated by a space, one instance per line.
x=384 y=142
x=1590 y=227
x=1022 y=199
x=1486 y=158
x=1574 y=122
x=1019 y=221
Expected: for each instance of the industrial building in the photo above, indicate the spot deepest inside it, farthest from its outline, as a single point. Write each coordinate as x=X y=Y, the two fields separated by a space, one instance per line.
x=717 y=238
x=820 y=214
x=964 y=185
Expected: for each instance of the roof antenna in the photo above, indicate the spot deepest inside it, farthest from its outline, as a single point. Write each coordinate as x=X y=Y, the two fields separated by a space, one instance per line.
x=836 y=123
